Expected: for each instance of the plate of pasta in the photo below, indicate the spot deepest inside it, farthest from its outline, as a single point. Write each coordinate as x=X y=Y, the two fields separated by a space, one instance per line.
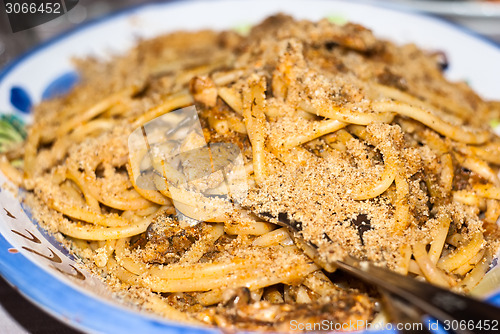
x=138 y=151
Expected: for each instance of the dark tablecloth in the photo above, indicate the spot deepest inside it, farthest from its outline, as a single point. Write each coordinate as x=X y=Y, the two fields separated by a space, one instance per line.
x=19 y=316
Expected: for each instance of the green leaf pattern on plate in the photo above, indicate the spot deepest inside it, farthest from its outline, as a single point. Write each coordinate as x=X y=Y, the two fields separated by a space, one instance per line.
x=494 y=123
x=12 y=131
x=337 y=18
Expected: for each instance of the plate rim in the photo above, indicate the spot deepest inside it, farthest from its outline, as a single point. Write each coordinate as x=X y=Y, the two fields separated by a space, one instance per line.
x=67 y=306
x=395 y=7
x=464 y=8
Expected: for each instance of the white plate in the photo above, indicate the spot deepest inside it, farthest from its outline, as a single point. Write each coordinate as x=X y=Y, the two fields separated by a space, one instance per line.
x=480 y=16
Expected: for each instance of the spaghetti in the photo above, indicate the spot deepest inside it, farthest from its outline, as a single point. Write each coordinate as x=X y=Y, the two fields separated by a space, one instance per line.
x=363 y=142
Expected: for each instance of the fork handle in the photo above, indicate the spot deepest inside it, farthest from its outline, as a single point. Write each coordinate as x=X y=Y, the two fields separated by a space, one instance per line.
x=446 y=306
x=402 y=312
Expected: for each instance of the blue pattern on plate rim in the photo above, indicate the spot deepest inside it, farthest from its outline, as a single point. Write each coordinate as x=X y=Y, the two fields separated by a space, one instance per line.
x=20 y=99
x=61 y=300
x=60 y=85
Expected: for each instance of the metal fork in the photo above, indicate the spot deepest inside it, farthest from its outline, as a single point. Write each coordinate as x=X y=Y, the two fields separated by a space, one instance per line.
x=408 y=299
